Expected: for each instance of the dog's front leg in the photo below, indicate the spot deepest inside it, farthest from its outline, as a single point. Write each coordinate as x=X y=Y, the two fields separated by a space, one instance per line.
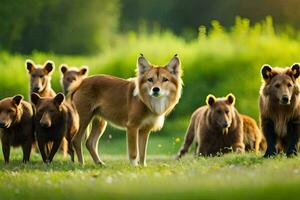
x=132 y=145
x=143 y=140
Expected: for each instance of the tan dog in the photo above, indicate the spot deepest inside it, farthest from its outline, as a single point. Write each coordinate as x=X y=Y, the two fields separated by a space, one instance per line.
x=72 y=78
x=140 y=106
x=40 y=78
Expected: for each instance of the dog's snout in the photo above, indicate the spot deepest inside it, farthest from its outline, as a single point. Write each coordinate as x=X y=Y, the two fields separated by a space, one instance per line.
x=155 y=89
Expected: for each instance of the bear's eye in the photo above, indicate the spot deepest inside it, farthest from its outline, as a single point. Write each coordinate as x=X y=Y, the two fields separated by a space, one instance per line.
x=165 y=79
x=33 y=75
x=41 y=76
x=10 y=111
x=277 y=85
x=150 y=80
x=289 y=85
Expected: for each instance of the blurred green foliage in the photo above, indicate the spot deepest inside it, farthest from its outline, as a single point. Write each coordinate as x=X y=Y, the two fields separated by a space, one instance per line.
x=60 y=26
x=219 y=61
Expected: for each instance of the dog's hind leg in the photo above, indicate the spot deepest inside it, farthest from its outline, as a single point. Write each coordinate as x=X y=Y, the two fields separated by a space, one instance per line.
x=98 y=128
x=85 y=119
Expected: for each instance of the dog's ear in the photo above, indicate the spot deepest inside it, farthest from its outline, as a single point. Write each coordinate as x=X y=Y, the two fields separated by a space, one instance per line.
x=48 y=66
x=210 y=100
x=30 y=66
x=35 y=98
x=143 y=65
x=266 y=72
x=59 y=99
x=83 y=70
x=295 y=70
x=230 y=99
x=174 y=66
x=63 y=68
x=17 y=99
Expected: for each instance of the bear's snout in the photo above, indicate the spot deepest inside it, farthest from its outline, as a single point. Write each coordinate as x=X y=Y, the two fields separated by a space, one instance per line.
x=45 y=121
x=3 y=124
x=285 y=100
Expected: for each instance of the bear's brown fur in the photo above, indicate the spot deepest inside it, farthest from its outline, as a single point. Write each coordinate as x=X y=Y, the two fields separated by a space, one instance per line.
x=54 y=120
x=280 y=109
x=253 y=138
x=217 y=127
x=16 y=123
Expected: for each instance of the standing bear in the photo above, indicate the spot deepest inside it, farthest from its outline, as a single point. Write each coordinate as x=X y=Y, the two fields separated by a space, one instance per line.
x=217 y=126
x=16 y=123
x=54 y=120
x=280 y=109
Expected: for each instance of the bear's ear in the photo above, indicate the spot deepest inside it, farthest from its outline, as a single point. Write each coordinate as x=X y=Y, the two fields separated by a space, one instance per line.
x=59 y=98
x=210 y=100
x=143 y=65
x=17 y=99
x=35 y=98
x=29 y=65
x=266 y=72
x=295 y=70
x=63 y=68
x=48 y=66
x=230 y=99
x=83 y=70
x=174 y=66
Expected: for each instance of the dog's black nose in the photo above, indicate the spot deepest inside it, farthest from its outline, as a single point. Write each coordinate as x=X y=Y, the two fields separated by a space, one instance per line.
x=285 y=99
x=155 y=89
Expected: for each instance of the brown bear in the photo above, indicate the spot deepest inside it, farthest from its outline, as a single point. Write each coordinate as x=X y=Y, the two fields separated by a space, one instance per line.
x=280 y=109
x=72 y=78
x=16 y=123
x=54 y=120
x=253 y=138
x=217 y=126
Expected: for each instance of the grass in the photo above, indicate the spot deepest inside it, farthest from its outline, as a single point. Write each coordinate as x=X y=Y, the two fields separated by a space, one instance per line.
x=231 y=176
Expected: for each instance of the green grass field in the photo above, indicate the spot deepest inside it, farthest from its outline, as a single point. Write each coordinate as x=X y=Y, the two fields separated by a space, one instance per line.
x=231 y=176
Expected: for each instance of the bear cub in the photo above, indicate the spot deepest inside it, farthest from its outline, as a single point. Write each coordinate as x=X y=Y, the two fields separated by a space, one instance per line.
x=16 y=123
x=54 y=120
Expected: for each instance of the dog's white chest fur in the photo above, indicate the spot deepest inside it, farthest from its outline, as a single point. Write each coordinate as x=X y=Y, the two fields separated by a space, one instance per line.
x=156 y=122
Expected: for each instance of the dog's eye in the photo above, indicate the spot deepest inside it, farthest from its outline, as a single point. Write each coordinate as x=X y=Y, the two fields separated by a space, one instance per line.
x=289 y=85
x=150 y=80
x=277 y=85
x=165 y=79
